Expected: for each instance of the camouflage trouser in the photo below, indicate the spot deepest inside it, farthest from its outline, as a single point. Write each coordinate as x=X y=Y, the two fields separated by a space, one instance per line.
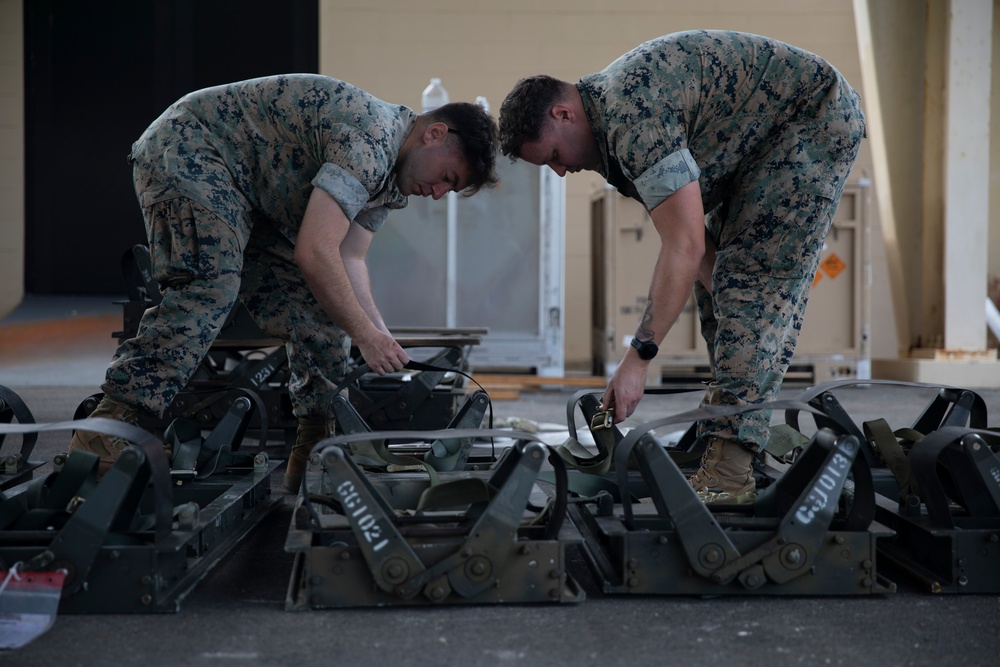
x=204 y=261
x=769 y=233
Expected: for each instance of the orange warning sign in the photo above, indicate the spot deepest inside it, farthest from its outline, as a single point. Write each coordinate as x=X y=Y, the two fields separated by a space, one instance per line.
x=832 y=265
x=819 y=277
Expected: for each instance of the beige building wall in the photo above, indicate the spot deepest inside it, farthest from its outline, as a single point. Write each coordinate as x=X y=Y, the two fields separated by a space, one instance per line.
x=11 y=156
x=392 y=47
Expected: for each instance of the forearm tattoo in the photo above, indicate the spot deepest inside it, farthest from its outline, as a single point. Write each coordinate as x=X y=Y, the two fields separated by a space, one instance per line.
x=643 y=332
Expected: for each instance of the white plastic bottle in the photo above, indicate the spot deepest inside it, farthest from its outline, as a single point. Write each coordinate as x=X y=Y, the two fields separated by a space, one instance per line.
x=434 y=96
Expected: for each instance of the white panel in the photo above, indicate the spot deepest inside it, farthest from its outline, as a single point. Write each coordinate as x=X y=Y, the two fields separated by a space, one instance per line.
x=493 y=260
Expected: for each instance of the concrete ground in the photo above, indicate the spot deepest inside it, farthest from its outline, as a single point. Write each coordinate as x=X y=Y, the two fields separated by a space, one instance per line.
x=52 y=353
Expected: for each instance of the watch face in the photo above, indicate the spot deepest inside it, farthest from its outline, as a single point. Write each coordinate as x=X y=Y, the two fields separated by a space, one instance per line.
x=647 y=349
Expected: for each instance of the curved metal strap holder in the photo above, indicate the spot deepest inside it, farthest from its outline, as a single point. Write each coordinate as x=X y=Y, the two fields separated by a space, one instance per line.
x=704 y=542
x=349 y=422
x=149 y=443
x=20 y=412
x=801 y=532
x=571 y=404
x=606 y=437
x=494 y=535
x=453 y=453
x=81 y=538
x=389 y=557
x=924 y=458
x=952 y=405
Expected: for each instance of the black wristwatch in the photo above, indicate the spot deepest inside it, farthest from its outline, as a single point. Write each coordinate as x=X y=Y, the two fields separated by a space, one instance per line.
x=646 y=349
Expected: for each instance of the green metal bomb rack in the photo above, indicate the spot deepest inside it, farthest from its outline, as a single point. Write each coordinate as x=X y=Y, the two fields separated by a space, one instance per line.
x=140 y=537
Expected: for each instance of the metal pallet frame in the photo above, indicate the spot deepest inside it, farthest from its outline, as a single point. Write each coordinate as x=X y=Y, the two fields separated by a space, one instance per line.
x=802 y=535
x=142 y=536
x=949 y=540
x=365 y=539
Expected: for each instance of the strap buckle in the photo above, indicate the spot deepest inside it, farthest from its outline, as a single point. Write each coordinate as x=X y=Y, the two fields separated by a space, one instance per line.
x=74 y=504
x=602 y=419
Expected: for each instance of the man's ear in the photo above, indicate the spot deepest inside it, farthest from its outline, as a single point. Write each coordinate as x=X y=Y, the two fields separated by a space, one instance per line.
x=560 y=111
x=435 y=133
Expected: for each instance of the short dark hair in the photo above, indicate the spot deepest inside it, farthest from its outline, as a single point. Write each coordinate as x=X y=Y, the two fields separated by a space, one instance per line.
x=524 y=112
x=477 y=132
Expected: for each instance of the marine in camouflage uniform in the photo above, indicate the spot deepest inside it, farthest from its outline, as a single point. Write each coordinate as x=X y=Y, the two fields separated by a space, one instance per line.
x=224 y=178
x=769 y=133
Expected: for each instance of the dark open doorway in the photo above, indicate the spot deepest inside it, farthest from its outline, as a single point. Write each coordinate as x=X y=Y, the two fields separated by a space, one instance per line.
x=96 y=74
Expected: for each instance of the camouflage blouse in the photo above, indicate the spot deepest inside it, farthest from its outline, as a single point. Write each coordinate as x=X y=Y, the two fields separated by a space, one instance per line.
x=263 y=144
x=694 y=105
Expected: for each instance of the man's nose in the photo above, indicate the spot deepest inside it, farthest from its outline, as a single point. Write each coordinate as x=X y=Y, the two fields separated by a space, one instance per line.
x=439 y=190
x=558 y=168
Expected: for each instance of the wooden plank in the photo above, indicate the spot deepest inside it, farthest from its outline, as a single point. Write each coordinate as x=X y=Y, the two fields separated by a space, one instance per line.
x=447 y=340
x=478 y=331
x=499 y=393
x=504 y=380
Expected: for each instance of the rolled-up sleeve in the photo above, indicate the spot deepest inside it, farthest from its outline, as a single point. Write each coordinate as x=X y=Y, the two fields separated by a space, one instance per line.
x=372 y=218
x=343 y=187
x=666 y=177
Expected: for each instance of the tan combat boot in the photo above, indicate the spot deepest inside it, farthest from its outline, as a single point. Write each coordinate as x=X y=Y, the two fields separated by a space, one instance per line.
x=107 y=447
x=726 y=473
x=310 y=431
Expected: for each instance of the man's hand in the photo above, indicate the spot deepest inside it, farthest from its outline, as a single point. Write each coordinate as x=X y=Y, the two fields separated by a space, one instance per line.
x=382 y=353
x=626 y=387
